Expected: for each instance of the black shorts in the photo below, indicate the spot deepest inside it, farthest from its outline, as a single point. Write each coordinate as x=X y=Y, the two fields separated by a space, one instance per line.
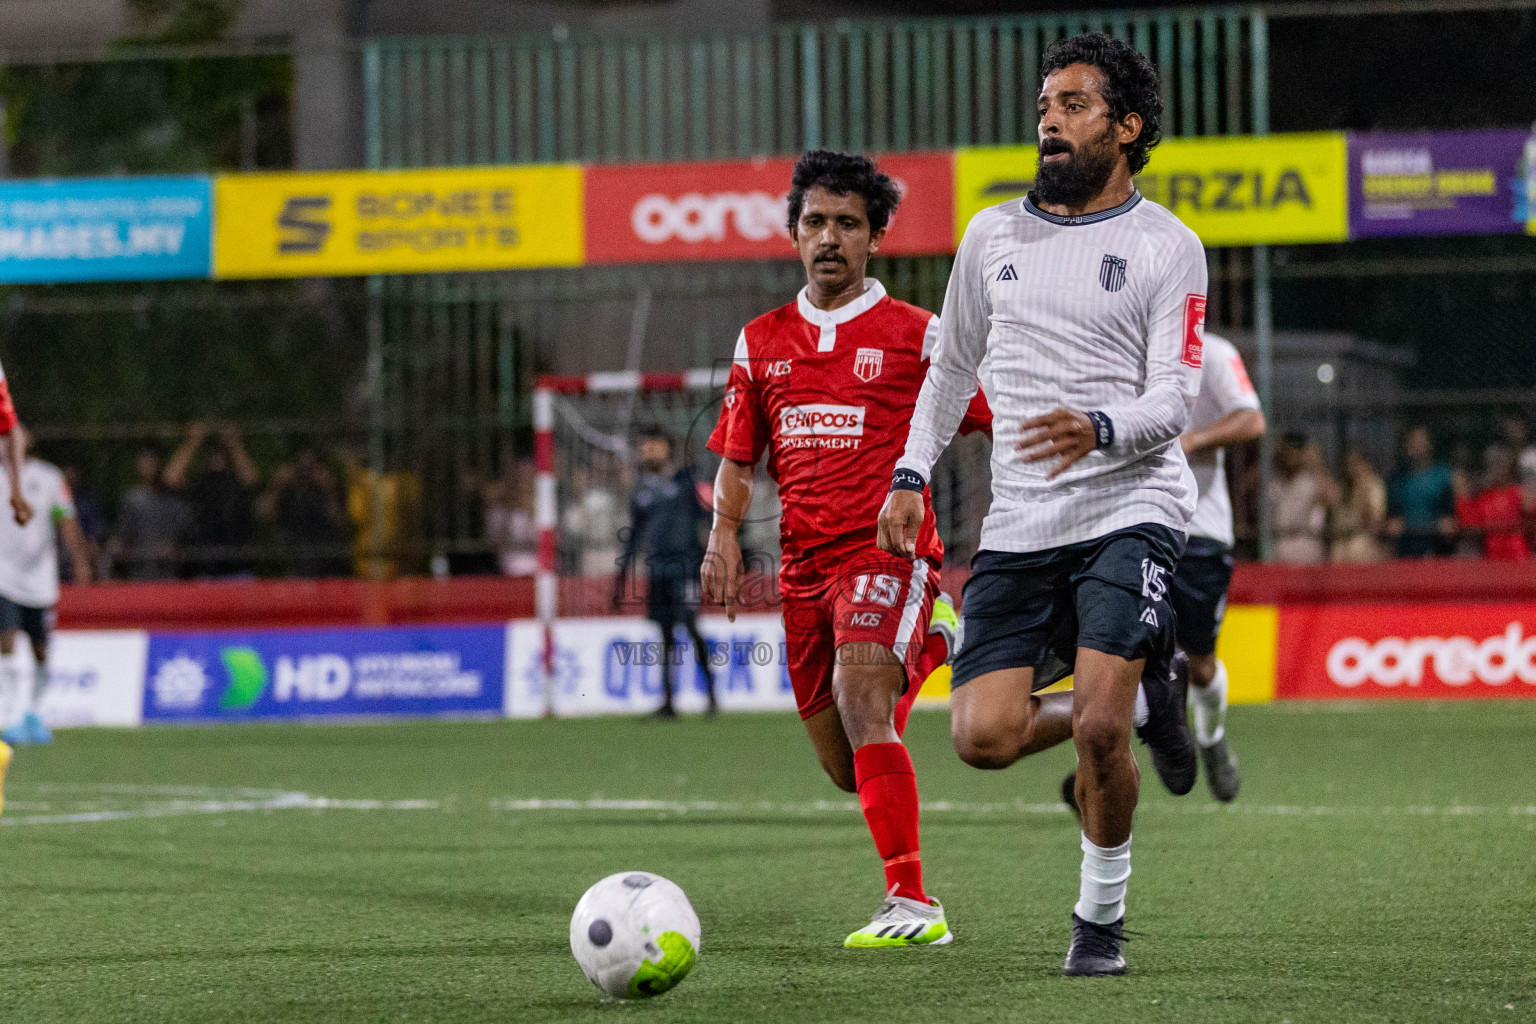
x=1034 y=610
x=672 y=599
x=37 y=623
x=1199 y=593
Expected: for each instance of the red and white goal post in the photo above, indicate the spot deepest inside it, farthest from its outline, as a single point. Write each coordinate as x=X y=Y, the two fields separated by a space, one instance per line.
x=585 y=431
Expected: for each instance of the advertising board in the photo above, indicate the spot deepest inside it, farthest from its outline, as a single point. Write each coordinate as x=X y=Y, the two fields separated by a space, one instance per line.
x=1397 y=651
x=612 y=666
x=1438 y=183
x=381 y=222
x=238 y=676
x=104 y=229
x=647 y=213
x=1239 y=190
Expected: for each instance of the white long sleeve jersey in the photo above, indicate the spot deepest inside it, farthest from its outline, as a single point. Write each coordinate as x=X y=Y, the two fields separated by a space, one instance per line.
x=1103 y=313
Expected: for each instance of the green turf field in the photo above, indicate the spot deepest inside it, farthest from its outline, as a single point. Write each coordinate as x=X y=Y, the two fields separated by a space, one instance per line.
x=1380 y=865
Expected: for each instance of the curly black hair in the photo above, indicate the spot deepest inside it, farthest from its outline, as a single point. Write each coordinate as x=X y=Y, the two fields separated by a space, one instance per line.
x=844 y=174
x=1132 y=85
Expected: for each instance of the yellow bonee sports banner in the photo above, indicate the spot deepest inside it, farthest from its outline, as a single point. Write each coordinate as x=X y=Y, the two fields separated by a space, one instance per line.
x=1241 y=190
x=381 y=222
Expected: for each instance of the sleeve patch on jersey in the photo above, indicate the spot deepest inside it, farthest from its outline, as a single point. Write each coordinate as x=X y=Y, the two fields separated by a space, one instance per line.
x=1240 y=372
x=1194 y=331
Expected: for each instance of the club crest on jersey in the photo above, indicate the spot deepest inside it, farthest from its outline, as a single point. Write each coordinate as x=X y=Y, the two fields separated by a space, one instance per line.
x=1112 y=273
x=1007 y=273
x=866 y=363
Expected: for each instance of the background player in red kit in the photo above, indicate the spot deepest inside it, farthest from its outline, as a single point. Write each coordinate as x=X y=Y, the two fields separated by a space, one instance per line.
x=15 y=455
x=826 y=385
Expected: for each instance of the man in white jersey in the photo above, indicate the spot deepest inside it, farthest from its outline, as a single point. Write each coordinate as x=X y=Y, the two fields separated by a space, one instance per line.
x=1080 y=310
x=29 y=587
x=1226 y=413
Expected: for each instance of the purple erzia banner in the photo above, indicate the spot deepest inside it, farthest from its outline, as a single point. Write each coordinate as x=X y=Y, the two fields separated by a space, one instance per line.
x=1437 y=183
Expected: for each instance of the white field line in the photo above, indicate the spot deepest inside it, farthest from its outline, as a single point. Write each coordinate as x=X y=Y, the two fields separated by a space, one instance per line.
x=186 y=800
x=178 y=801
x=961 y=807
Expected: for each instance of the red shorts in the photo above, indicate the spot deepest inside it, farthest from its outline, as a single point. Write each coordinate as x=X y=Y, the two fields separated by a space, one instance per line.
x=883 y=599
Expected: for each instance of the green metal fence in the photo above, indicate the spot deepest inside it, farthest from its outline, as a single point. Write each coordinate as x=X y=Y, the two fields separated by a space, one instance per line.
x=452 y=356
x=876 y=85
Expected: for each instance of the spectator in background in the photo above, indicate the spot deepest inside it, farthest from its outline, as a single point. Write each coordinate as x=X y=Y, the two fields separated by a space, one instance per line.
x=304 y=503
x=472 y=506
x=385 y=510
x=1497 y=512
x=1421 y=503
x=1512 y=432
x=1299 y=499
x=222 y=495
x=152 y=523
x=510 y=523
x=591 y=524
x=1357 y=518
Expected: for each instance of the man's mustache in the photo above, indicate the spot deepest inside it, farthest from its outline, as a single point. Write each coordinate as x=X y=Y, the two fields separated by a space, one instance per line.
x=1054 y=145
x=830 y=257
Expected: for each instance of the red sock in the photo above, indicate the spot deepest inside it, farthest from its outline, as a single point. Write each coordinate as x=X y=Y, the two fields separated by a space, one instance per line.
x=888 y=794
x=935 y=652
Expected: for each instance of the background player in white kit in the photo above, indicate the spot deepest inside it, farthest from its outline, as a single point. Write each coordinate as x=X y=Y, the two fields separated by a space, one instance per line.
x=29 y=586
x=1226 y=413
x=1080 y=310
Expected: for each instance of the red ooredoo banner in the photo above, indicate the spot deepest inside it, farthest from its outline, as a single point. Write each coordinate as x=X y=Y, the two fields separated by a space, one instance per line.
x=1395 y=651
x=647 y=213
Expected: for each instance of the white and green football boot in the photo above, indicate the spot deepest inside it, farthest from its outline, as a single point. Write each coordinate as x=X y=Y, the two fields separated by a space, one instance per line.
x=903 y=922
x=946 y=622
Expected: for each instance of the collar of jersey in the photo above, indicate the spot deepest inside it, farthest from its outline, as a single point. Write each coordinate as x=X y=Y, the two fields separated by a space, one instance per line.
x=874 y=291
x=1087 y=218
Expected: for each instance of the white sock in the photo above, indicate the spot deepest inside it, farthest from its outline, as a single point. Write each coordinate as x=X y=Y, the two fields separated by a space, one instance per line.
x=1142 y=713
x=10 y=706
x=1101 y=894
x=1208 y=707
x=39 y=686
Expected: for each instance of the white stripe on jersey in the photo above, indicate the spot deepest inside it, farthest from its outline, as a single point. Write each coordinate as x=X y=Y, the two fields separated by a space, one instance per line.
x=930 y=337
x=1087 y=313
x=917 y=585
x=1224 y=389
x=743 y=358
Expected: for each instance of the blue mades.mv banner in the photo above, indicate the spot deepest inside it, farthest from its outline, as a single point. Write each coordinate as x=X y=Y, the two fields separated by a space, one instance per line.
x=105 y=229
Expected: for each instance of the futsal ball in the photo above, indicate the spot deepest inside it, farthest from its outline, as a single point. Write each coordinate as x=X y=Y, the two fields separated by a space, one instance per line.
x=635 y=935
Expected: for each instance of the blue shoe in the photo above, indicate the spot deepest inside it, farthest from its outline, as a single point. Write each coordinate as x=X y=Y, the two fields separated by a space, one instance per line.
x=37 y=732
x=16 y=735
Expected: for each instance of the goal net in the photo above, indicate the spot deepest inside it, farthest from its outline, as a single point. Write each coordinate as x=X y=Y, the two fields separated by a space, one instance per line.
x=587 y=429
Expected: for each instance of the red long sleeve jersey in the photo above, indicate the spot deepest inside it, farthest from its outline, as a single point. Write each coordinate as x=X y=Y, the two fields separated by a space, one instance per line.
x=7 y=409
x=829 y=395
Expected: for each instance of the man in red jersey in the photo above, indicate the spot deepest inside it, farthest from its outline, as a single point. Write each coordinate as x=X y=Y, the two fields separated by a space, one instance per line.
x=15 y=455
x=15 y=452
x=826 y=386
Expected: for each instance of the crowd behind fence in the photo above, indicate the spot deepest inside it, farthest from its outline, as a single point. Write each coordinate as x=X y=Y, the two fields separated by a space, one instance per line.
x=307 y=506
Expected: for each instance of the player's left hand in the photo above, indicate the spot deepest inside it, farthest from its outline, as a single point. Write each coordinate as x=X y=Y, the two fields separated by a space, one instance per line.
x=1062 y=434
x=21 y=510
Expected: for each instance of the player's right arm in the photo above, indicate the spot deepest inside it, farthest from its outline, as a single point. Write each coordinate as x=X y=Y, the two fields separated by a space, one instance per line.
x=1223 y=378
x=740 y=438
x=62 y=512
x=946 y=394
x=15 y=452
